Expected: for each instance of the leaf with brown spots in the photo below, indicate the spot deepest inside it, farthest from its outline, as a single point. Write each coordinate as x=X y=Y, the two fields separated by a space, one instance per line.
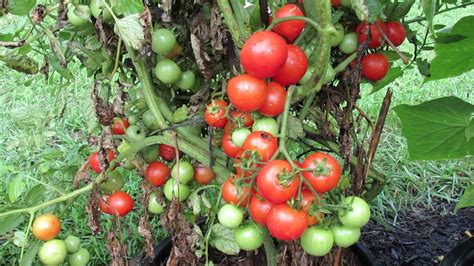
x=93 y=212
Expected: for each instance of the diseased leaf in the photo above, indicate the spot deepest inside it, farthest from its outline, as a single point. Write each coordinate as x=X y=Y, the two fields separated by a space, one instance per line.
x=21 y=7
x=222 y=238
x=16 y=187
x=295 y=127
x=21 y=63
x=436 y=129
x=467 y=199
x=130 y=30
x=194 y=202
x=56 y=47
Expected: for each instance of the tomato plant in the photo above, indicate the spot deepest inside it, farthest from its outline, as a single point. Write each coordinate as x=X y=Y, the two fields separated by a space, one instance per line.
x=167 y=152
x=358 y=214
x=345 y=236
x=229 y=147
x=374 y=66
x=235 y=192
x=174 y=189
x=94 y=161
x=52 y=252
x=266 y=124
x=73 y=244
x=163 y=41
x=259 y=208
x=79 y=258
x=396 y=32
x=230 y=216
x=183 y=171
x=120 y=126
x=363 y=31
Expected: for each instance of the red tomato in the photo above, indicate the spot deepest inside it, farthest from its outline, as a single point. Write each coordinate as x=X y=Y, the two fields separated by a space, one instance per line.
x=246 y=92
x=264 y=143
x=259 y=208
x=46 y=227
x=263 y=54
x=203 y=175
x=395 y=32
x=120 y=203
x=215 y=114
x=295 y=67
x=104 y=205
x=286 y=223
x=276 y=183
x=326 y=171
x=289 y=29
x=307 y=199
x=235 y=193
x=157 y=173
x=241 y=119
x=120 y=125
x=167 y=152
x=336 y=2
x=229 y=147
x=374 y=66
x=94 y=162
x=275 y=101
x=376 y=38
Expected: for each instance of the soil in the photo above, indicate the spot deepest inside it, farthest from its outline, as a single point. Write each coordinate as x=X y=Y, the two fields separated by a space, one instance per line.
x=420 y=238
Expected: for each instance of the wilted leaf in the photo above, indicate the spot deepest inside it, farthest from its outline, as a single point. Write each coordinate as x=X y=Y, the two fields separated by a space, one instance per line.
x=21 y=63
x=130 y=30
x=16 y=187
x=56 y=47
x=222 y=238
x=467 y=199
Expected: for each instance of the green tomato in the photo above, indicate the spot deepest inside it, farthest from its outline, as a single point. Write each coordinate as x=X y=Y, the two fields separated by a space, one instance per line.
x=248 y=237
x=154 y=207
x=114 y=183
x=80 y=258
x=163 y=41
x=330 y=74
x=230 y=216
x=132 y=119
x=359 y=213
x=53 y=252
x=168 y=72
x=151 y=153
x=175 y=189
x=123 y=147
x=78 y=20
x=73 y=244
x=187 y=81
x=267 y=124
x=239 y=136
x=337 y=38
x=345 y=236
x=184 y=170
x=135 y=133
x=149 y=121
x=349 y=43
x=317 y=241
x=97 y=8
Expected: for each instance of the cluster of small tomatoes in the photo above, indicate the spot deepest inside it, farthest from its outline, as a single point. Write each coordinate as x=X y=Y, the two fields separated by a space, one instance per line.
x=285 y=197
x=54 y=251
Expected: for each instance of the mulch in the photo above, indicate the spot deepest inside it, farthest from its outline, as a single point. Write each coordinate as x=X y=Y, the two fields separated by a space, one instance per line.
x=419 y=238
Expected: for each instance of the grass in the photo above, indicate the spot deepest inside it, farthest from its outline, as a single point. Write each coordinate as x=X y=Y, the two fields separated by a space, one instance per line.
x=43 y=139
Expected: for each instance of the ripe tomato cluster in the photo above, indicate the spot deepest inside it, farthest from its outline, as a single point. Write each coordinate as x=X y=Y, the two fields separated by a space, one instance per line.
x=47 y=227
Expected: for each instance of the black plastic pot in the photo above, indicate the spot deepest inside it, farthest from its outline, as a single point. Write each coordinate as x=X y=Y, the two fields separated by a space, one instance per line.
x=460 y=255
x=366 y=257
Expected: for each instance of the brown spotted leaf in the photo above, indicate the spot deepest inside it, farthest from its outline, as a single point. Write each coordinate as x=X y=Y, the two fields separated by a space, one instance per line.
x=93 y=212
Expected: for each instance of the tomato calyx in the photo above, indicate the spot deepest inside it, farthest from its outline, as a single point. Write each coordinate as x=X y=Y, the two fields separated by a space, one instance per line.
x=285 y=178
x=321 y=168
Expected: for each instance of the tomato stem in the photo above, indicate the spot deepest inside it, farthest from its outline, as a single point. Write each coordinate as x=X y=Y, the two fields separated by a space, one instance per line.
x=311 y=22
x=230 y=21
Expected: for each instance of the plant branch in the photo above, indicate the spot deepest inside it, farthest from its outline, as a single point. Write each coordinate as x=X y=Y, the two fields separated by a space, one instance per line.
x=311 y=22
x=284 y=126
x=230 y=21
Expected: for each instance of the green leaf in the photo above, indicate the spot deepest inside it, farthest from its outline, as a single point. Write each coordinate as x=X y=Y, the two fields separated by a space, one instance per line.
x=127 y=7
x=130 y=30
x=9 y=223
x=392 y=74
x=423 y=67
x=21 y=63
x=35 y=195
x=429 y=8
x=470 y=131
x=222 y=238
x=21 y=7
x=16 y=187
x=194 y=202
x=396 y=11
x=83 y=12
x=181 y=114
x=64 y=72
x=89 y=58
x=367 y=10
x=435 y=130
x=295 y=127
x=467 y=199
x=454 y=58
x=30 y=255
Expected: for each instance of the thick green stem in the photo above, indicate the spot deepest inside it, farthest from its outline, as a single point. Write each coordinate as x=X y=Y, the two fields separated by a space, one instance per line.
x=284 y=125
x=237 y=10
x=270 y=252
x=230 y=21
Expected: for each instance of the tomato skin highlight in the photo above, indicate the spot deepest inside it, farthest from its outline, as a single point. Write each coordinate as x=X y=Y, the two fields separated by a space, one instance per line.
x=120 y=203
x=264 y=143
x=120 y=125
x=294 y=68
x=263 y=54
x=46 y=227
x=157 y=173
x=289 y=29
x=259 y=209
x=229 y=147
x=271 y=187
x=396 y=33
x=286 y=223
x=274 y=101
x=231 y=193
x=376 y=38
x=246 y=92
x=327 y=171
x=215 y=114
x=374 y=66
x=94 y=161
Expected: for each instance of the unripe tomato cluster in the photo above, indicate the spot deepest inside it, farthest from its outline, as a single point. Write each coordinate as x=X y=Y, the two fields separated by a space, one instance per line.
x=54 y=251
